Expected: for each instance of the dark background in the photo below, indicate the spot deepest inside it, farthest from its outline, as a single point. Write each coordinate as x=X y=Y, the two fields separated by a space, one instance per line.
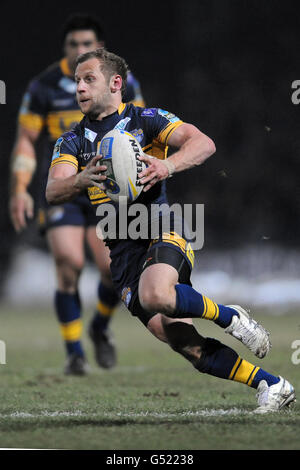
x=226 y=66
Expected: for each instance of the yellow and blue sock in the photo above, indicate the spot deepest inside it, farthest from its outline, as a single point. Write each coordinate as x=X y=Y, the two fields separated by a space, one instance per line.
x=222 y=361
x=68 y=310
x=190 y=303
x=107 y=302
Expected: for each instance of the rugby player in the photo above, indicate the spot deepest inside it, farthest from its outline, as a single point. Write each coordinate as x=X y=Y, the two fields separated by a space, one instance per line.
x=153 y=275
x=50 y=108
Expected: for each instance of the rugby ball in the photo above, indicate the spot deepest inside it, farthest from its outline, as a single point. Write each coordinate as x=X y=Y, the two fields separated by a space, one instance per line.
x=120 y=151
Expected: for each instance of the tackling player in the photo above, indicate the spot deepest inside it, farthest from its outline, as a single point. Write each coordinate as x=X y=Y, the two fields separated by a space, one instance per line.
x=153 y=275
x=50 y=107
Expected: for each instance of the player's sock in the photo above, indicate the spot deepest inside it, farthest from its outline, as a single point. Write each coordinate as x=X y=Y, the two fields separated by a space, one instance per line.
x=221 y=361
x=68 y=310
x=263 y=375
x=214 y=358
x=108 y=299
x=190 y=303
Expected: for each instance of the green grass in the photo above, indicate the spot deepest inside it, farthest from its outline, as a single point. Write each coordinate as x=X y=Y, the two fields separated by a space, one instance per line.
x=153 y=399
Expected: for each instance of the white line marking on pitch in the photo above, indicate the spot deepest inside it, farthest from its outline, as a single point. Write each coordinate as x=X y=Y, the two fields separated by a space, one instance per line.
x=145 y=414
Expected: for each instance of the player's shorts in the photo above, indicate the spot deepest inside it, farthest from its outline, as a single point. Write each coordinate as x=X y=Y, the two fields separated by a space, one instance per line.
x=78 y=212
x=131 y=257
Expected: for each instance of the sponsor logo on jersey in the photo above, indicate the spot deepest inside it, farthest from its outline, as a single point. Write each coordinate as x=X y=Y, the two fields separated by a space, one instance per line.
x=126 y=295
x=123 y=123
x=89 y=135
x=138 y=134
x=69 y=136
x=170 y=116
x=56 y=150
x=149 y=112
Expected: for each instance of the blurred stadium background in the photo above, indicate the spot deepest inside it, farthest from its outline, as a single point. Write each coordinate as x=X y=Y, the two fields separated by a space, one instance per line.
x=226 y=66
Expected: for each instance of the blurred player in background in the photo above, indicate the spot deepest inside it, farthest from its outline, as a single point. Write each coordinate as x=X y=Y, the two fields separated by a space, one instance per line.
x=50 y=108
x=153 y=274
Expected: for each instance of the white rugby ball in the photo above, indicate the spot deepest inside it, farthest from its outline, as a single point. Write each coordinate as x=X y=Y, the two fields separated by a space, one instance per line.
x=120 y=151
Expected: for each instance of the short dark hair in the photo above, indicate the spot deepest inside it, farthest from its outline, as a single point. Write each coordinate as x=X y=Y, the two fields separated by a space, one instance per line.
x=82 y=21
x=110 y=64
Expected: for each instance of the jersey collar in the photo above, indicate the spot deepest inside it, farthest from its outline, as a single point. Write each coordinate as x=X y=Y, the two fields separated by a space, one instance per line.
x=121 y=108
x=106 y=121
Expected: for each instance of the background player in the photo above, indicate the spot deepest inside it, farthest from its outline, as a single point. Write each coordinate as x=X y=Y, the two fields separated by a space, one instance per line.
x=154 y=275
x=49 y=108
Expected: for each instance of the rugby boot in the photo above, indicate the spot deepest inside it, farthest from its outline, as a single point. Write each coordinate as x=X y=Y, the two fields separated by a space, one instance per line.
x=249 y=332
x=275 y=397
x=76 y=365
x=104 y=347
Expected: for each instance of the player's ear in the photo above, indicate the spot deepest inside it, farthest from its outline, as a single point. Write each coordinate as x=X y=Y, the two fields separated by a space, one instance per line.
x=115 y=83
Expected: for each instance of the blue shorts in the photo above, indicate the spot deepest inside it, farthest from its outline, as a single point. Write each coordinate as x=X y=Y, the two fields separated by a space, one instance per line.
x=131 y=257
x=78 y=212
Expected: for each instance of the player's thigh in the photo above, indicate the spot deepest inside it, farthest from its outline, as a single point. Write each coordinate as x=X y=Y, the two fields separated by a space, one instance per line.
x=66 y=243
x=157 y=283
x=100 y=252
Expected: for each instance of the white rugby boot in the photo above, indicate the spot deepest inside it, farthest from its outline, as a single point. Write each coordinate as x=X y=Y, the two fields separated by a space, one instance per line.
x=249 y=332
x=275 y=397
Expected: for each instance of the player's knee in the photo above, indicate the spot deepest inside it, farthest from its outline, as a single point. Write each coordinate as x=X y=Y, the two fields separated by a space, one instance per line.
x=155 y=299
x=67 y=282
x=68 y=273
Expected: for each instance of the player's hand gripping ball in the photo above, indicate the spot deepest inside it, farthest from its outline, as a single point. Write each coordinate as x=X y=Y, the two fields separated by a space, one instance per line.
x=120 y=152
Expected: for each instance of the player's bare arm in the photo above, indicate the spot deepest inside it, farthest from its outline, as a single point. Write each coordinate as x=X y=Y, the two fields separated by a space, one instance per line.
x=194 y=148
x=64 y=183
x=23 y=164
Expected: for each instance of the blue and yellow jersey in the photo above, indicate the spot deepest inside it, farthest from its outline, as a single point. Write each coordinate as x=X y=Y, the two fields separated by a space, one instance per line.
x=152 y=127
x=49 y=107
x=50 y=104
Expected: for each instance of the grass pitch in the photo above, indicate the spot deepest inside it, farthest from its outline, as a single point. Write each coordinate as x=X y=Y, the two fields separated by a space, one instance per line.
x=153 y=399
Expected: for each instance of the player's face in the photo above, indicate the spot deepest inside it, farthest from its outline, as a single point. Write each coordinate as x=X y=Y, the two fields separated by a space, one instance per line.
x=79 y=42
x=93 y=90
